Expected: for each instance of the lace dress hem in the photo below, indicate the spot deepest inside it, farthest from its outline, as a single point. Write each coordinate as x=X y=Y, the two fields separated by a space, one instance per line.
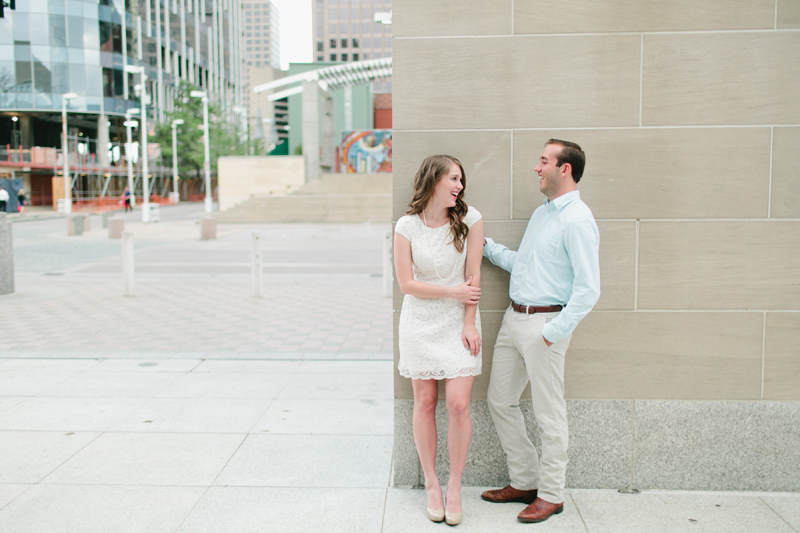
x=440 y=374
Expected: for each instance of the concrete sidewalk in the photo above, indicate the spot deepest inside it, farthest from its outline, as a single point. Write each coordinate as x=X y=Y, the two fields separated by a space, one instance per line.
x=195 y=407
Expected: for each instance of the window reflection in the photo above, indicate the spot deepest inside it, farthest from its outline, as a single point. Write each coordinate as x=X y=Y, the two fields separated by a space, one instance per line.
x=58 y=30
x=75 y=32
x=39 y=29
x=41 y=76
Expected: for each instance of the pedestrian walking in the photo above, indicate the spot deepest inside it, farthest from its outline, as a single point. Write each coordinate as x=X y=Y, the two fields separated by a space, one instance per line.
x=126 y=200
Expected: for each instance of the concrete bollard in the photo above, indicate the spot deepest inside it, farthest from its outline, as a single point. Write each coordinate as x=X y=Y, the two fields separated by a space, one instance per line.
x=87 y=226
x=116 y=225
x=6 y=257
x=208 y=229
x=387 y=265
x=75 y=225
x=106 y=216
x=127 y=262
x=257 y=263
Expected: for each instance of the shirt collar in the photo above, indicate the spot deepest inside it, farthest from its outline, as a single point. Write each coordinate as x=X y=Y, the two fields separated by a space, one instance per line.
x=562 y=200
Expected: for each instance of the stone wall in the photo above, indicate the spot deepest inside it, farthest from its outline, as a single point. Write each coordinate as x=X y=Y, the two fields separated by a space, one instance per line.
x=689 y=113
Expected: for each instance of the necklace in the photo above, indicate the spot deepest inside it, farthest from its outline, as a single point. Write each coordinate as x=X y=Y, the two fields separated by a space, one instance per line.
x=431 y=251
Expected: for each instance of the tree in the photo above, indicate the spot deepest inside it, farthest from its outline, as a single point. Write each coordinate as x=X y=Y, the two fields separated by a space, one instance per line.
x=224 y=136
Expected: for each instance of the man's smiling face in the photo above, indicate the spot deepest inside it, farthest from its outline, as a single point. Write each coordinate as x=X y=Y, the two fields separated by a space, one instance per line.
x=549 y=173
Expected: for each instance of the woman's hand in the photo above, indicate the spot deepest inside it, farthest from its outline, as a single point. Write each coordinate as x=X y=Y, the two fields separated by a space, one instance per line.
x=466 y=294
x=471 y=339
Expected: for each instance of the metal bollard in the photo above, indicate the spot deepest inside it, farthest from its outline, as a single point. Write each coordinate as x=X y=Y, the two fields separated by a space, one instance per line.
x=257 y=263
x=387 y=265
x=127 y=262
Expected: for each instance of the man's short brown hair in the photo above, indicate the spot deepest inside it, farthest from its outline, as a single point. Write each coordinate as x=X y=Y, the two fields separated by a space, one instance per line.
x=570 y=153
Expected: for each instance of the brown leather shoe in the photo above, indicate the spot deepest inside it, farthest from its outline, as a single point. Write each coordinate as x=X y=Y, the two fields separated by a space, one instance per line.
x=509 y=494
x=539 y=511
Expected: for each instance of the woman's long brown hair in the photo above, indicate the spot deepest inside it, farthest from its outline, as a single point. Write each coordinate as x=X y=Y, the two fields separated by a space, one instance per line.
x=431 y=170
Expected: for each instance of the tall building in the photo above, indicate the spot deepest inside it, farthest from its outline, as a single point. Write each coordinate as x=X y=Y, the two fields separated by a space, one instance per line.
x=262 y=34
x=55 y=47
x=345 y=31
x=262 y=49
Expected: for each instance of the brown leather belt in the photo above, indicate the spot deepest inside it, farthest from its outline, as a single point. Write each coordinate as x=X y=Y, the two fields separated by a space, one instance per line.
x=533 y=309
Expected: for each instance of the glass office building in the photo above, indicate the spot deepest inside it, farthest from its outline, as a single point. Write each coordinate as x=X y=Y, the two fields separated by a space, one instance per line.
x=52 y=47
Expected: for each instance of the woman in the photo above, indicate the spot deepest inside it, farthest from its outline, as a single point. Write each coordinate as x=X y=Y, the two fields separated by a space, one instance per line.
x=21 y=200
x=126 y=200
x=437 y=251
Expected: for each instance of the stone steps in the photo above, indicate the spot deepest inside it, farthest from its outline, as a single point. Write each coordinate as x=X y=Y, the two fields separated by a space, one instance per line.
x=338 y=198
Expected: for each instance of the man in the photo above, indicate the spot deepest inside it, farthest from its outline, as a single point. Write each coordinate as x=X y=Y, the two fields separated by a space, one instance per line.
x=3 y=199
x=555 y=282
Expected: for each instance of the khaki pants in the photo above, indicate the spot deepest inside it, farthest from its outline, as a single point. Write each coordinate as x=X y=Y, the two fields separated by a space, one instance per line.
x=521 y=355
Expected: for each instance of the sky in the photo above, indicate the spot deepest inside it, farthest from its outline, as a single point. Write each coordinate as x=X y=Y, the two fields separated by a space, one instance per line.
x=296 y=45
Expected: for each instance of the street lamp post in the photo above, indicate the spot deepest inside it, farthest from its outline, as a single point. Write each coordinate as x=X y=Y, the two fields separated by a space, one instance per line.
x=65 y=152
x=175 y=124
x=207 y=162
x=14 y=142
x=129 y=149
x=145 y=169
x=245 y=135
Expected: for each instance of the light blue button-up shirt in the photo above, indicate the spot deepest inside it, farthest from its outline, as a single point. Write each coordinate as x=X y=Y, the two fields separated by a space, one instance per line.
x=557 y=262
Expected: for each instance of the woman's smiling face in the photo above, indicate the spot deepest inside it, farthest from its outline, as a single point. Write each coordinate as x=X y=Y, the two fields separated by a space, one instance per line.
x=449 y=187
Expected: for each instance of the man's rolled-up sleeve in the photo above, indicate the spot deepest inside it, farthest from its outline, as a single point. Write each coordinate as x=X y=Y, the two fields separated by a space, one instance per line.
x=499 y=255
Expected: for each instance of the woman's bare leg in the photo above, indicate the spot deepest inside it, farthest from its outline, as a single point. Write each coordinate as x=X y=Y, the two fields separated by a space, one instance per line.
x=426 y=396
x=459 y=433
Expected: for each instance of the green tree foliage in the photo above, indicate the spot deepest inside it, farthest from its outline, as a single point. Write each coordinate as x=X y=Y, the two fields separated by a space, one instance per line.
x=224 y=136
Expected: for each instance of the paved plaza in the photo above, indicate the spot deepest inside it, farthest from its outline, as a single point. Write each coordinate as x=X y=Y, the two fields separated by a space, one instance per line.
x=195 y=407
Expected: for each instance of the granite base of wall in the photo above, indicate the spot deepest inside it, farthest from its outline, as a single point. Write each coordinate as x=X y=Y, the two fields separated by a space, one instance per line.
x=641 y=444
x=6 y=257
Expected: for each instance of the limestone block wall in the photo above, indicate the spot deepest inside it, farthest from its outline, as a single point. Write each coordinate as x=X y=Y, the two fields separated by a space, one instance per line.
x=241 y=177
x=689 y=113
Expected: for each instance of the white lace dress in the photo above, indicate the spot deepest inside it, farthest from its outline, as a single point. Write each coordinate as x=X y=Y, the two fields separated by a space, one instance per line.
x=430 y=329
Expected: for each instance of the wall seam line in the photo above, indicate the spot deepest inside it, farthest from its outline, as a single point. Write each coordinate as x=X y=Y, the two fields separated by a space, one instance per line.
x=511 y=181
x=636 y=269
x=760 y=219
x=512 y=15
x=601 y=128
x=763 y=352
x=769 y=197
x=596 y=34
x=683 y=310
x=776 y=15
x=633 y=442
x=641 y=76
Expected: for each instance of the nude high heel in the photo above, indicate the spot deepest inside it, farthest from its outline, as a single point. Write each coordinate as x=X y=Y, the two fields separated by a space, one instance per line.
x=436 y=516
x=454 y=518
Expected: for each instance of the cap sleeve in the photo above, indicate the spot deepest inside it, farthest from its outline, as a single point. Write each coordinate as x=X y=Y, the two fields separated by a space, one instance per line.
x=405 y=227
x=472 y=216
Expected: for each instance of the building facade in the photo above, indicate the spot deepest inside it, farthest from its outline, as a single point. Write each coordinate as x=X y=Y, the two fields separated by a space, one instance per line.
x=54 y=47
x=345 y=30
x=262 y=43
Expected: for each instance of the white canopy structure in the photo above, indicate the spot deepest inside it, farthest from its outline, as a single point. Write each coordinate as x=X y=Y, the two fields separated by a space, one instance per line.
x=336 y=77
x=311 y=84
